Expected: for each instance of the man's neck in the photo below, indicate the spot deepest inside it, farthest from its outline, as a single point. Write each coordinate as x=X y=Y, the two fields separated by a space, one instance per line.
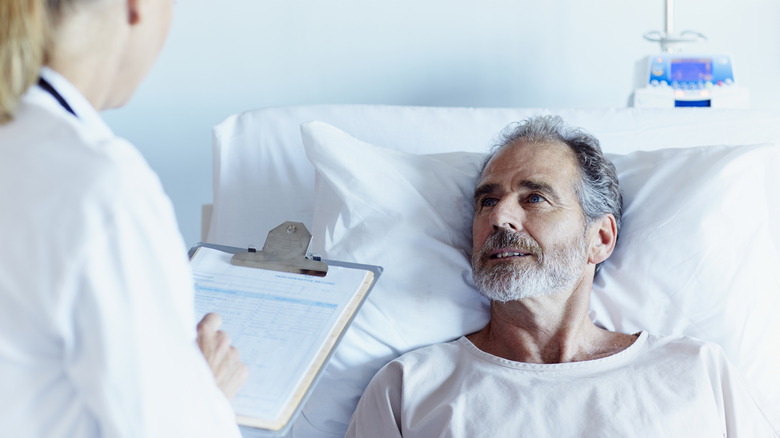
x=549 y=329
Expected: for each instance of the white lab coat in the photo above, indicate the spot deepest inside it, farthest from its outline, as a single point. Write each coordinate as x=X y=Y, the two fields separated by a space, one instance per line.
x=97 y=324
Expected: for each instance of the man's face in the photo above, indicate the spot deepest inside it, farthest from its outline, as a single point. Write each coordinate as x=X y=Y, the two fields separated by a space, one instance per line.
x=529 y=229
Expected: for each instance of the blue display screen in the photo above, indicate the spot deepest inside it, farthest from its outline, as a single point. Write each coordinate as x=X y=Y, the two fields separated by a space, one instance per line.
x=691 y=70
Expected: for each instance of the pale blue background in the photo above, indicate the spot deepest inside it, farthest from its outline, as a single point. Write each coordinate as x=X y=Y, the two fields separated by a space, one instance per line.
x=228 y=56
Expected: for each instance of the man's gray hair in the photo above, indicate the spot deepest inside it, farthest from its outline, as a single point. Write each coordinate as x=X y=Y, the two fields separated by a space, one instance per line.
x=598 y=191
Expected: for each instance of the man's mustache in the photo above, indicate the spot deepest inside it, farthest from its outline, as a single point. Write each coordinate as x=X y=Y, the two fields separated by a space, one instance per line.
x=504 y=239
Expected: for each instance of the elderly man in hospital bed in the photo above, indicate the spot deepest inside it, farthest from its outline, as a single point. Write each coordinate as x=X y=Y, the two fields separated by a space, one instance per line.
x=547 y=214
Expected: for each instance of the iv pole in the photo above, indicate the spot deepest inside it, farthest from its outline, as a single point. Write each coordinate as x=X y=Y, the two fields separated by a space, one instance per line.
x=670 y=41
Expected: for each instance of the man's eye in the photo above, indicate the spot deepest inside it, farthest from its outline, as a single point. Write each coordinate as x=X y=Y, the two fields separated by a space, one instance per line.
x=488 y=202
x=533 y=199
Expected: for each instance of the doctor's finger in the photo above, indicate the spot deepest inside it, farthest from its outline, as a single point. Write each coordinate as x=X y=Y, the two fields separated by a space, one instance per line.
x=210 y=323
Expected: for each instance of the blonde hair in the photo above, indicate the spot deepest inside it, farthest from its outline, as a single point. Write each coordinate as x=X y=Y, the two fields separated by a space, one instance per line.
x=24 y=31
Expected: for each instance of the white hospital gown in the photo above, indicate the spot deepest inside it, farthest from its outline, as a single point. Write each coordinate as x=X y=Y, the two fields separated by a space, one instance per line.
x=658 y=387
x=97 y=326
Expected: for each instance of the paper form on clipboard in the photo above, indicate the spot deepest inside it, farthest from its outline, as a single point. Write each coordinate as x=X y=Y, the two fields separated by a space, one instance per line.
x=285 y=326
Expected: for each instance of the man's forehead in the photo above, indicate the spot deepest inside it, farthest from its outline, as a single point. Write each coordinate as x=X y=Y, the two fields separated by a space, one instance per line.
x=533 y=157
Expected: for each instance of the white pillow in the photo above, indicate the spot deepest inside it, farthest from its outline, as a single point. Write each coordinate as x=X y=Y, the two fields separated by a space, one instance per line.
x=695 y=256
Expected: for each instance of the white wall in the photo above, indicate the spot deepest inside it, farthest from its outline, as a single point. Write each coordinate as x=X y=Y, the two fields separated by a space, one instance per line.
x=228 y=56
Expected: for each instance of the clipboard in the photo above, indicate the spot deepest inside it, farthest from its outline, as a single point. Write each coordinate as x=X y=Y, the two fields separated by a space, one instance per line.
x=286 y=311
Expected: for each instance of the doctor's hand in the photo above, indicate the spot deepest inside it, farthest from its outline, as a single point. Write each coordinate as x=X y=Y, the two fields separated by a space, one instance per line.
x=229 y=372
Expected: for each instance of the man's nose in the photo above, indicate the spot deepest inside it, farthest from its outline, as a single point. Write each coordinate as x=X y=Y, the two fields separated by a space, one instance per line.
x=507 y=214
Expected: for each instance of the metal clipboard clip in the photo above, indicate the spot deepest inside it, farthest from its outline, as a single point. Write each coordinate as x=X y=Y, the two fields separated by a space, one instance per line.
x=286 y=249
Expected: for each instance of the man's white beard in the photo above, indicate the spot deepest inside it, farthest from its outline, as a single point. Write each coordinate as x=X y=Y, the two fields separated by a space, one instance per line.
x=534 y=275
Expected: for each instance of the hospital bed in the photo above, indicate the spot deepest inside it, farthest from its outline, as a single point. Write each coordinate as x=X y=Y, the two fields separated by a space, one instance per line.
x=392 y=186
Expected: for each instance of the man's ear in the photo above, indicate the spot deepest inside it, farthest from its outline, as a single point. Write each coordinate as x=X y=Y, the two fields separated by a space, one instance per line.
x=133 y=13
x=603 y=237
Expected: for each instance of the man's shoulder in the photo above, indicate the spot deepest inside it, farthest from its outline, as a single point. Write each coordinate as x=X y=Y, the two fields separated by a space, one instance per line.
x=425 y=353
x=677 y=341
x=682 y=347
x=436 y=358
